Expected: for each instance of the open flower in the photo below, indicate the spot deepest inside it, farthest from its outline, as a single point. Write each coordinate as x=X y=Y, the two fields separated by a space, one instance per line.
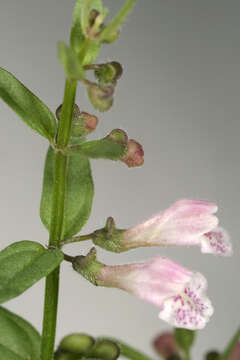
x=187 y=222
x=178 y=292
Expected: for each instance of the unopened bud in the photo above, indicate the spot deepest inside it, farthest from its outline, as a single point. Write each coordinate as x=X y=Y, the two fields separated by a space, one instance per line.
x=101 y=96
x=166 y=346
x=118 y=136
x=134 y=155
x=95 y=24
x=213 y=355
x=76 y=112
x=108 y=73
x=111 y=37
x=83 y=124
x=105 y=350
x=76 y=343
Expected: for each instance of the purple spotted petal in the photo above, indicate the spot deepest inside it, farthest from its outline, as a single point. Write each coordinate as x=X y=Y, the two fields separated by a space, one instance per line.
x=216 y=242
x=190 y=309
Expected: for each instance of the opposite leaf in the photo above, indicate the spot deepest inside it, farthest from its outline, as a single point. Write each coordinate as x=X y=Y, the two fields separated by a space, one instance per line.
x=78 y=194
x=32 y=111
x=22 y=264
x=18 y=339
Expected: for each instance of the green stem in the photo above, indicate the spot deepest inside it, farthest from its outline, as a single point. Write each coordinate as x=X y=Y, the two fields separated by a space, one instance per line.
x=236 y=338
x=128 y=351
x=76 y=239
x=57 y=215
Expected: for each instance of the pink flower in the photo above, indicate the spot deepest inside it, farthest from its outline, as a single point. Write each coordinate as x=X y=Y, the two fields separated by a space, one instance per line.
x=178 y=292
x=187 y=222
x=236 y=353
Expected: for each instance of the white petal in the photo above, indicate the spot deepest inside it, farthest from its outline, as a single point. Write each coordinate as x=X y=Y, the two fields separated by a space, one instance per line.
x=191 y=309
x=216 y=242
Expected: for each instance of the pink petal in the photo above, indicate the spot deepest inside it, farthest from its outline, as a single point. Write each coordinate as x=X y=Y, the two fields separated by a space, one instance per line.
x=191 y=309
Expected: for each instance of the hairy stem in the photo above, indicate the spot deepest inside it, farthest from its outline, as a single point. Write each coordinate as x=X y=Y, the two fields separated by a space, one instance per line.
x=128 y=351
x=76 y=239
x=57 y=215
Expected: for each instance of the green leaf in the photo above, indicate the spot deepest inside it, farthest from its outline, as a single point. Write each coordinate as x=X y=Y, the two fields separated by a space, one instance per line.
x=104 y=149
x=114 y=25
x=22 y=264
x=69 y=60
x=184 y=338
x=78 y=195
x=18 y=339
x=32 y=111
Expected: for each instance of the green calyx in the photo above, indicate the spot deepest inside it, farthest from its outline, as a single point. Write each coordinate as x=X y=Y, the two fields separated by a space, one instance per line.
x=88 y=266
x=109 y=238
x=108 y=73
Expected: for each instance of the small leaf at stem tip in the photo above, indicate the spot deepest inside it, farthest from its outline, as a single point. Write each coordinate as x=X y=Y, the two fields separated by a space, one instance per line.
x=112 y=147
x=70 y=62
x=110 y=30
x=18 y=339
x=32 y=111
x=101 y=96
x=22 y=264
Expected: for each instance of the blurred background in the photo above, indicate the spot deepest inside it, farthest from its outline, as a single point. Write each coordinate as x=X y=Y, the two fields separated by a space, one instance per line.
x=179 y=97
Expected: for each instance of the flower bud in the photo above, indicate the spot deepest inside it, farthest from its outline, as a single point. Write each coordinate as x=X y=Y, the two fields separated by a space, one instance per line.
x=165 y=345
x=76 y=343
x=134 y=155
x=76 y=112
x=108 y=73
x=83 y=124
x=109 y=39
x=213 y=355
x=104 y=349
x=95 y=24
x=101 y=96
x=119 y=136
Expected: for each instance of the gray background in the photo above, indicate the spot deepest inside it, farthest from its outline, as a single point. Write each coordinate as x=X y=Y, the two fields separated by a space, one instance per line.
x=179 y=97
